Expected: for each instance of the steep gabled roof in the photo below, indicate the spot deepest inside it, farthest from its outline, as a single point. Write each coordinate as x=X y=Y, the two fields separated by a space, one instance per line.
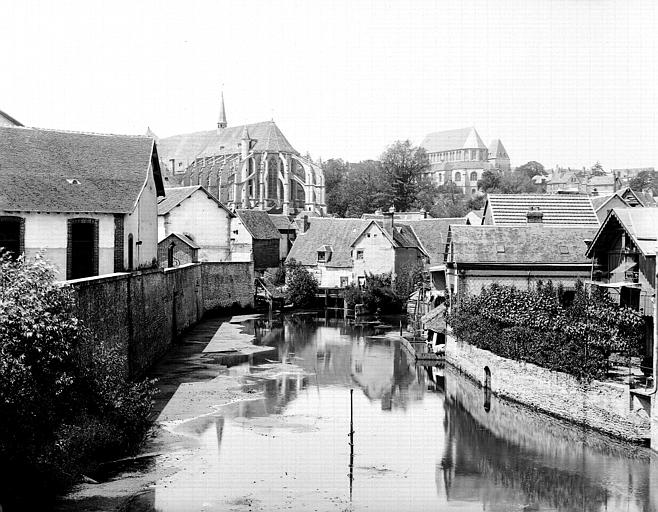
x=432 y=235
x=176 y=195
x=462 y=138
x=339 y=233
x=558 y=209
x=259 y=224
x=532 y=244
x=641 y=224
x=183 y=238
x=58 y=171
x=497 y=150
x=265 y=136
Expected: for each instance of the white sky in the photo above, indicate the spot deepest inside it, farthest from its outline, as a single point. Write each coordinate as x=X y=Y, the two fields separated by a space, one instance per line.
x=558 y=81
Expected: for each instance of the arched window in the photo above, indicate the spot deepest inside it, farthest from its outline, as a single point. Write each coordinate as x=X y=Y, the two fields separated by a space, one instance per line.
x=458 y=176
x=474 y=176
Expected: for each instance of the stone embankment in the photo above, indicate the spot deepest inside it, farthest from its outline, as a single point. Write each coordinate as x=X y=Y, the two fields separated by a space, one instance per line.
x=143 y=312
x=604 y=406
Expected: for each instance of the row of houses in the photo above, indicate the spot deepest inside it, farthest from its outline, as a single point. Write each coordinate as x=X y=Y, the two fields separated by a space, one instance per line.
x=607 y=241
x=97 y=204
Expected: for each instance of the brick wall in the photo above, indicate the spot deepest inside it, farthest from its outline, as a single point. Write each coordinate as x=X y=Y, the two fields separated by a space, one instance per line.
x=144 y=312
x=606 y=407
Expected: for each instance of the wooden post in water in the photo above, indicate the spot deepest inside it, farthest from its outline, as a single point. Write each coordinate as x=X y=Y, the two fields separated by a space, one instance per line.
x=351 y=441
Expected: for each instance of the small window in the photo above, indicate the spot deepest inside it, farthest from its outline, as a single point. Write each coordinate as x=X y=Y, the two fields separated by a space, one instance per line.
x=458 y=176
x=359 y=254
x=474 y=176
x=362 y=280
x=321 y=256
x=73 y=181
x=500 y=248
x=564 y=249
x=368 y=235
x=344 y=282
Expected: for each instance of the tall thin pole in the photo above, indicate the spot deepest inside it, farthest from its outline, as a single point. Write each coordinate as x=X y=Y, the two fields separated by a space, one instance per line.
x=351 y=475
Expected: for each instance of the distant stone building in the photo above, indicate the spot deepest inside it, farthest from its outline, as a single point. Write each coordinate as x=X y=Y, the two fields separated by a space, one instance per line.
x=248 y=166
x=460 y=156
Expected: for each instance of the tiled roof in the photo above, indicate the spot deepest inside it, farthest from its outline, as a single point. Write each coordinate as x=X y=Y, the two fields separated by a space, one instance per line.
x=606 y=179
x=558 y=209
x=640 y=223
x=265 y=136
x=176 y=195
x=339 y=233
x=56 y=171
x=432 y=234
x=462 y=138
x=259 y=224
x=529 y=244
x=183 y=238
x=282 y=222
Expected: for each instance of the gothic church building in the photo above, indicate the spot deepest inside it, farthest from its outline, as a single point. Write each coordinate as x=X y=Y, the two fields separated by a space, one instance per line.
x=248 y=166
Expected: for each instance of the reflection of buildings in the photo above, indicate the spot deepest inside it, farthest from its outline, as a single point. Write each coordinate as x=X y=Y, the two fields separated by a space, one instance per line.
x=336 y=353
x=510 y=456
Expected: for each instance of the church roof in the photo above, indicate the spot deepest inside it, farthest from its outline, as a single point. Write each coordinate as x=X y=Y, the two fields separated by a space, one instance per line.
x=497 y=150
x=463 y=138
x=57 y=171
x=265 y=136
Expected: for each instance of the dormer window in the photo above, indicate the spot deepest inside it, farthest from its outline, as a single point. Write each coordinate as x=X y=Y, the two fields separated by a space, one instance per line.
x=324 y=253
x=73 y=181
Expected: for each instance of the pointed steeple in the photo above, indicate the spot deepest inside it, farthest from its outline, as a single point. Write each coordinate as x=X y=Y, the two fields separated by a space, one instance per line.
x=245 y=133
x=221 y=124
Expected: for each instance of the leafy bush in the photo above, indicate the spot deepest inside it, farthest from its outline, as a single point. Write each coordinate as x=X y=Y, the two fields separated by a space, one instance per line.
x=546 y=327
x=352 y=295
x=63 y=404
x=301 y=285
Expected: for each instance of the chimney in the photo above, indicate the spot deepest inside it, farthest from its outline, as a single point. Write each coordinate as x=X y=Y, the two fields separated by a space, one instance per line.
x=388 y=219
x=305 y=224
x=535 y=215
x=423 y=212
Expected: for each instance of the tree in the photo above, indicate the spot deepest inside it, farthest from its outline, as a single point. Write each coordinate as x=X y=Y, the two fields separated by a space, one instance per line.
x=644 y=180
x=597 y=169
x=490 y=181
x=64 y=401
x=531 y=169
x=403 y=165
x=301 y=285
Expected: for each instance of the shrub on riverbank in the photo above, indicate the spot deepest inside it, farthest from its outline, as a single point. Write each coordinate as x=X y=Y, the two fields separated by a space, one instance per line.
x=301 y=285
x=546 y=327
x=64 y=403
x=380 y=292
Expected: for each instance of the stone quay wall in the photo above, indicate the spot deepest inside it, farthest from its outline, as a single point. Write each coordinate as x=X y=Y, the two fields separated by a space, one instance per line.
x=142 y=313
x=603 y=406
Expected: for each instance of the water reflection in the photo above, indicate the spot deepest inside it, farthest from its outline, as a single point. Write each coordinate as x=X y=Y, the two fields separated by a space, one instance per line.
x=426 y=438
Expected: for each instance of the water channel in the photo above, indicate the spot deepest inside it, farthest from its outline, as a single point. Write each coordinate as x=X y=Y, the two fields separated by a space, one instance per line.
x=425 y=438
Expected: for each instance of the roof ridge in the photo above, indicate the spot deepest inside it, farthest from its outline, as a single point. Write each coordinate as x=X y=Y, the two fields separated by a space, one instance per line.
x=76 y=132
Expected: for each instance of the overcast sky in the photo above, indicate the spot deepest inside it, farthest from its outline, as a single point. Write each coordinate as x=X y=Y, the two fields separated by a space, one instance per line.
x=565 y=82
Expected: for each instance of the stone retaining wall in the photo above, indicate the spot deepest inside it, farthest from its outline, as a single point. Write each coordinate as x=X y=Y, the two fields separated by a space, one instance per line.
x=143 y=312
x=606 y=407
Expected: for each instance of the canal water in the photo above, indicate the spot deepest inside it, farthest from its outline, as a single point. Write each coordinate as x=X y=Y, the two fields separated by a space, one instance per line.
x=424 y=438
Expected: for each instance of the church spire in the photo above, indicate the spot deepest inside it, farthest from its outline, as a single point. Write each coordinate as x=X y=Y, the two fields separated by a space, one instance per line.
x=221 y=124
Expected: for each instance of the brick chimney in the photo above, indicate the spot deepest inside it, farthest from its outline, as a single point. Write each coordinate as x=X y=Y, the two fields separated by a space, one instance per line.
x=388 y=219
x=305 y=224
x=535 y=215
